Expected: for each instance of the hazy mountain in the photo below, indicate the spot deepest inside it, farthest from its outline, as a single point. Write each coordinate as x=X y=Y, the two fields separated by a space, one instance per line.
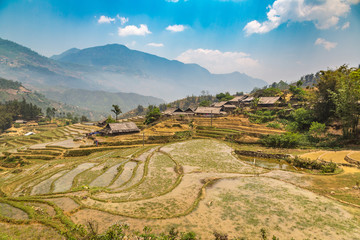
x=64 y=54
x=11 y=90
x=115 y=68
x=101 y=101
x=166 y=77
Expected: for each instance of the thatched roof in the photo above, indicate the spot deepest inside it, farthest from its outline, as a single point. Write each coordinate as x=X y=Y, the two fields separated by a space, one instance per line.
x=229 y=106
x=219 y=104
x=20 y=121
x=189 y=110
x=208 y=110
x=268 y=100
x=171 y=111
x=118 y=128
x=238 y=99
x=248 y=99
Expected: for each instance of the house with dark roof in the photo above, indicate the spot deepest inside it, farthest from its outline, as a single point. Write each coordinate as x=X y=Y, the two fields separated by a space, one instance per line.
x=173 y=111
x=189 y=111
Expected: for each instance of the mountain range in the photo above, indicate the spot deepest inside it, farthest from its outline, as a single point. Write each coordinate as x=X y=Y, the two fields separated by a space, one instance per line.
x=92 y=76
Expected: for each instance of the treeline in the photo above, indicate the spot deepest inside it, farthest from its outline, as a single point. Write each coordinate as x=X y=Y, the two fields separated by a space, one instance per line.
x=333 y=102
x=205 y=99
x=8 y=84
x=13 y=110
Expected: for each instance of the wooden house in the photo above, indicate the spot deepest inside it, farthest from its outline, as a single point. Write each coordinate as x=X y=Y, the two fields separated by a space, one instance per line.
x=268 y=101
x=120 y=128
x=189 y=111
x=208 y=111
x=218 y=104
x=237 y=101
x=173 y=111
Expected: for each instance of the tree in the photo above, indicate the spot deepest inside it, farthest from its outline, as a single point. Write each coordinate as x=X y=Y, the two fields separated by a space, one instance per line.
x=317 y=129
x=205 y=103
x=271 y=92
x=297 y=92
x=224 y=96
x=50 y=112
x=255 y=103
x=140 y=109
x=153 y=114
x=346 y=99
x=116 y=109
x=110 y=119
x=323 y=102
x=302 y=119
x=84 y=119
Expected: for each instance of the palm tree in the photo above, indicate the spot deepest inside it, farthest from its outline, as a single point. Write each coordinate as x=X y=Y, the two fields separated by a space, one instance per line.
x=116 y=110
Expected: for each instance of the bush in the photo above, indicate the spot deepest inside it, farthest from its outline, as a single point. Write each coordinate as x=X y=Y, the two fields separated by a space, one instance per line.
x=16 y=125
x=324 y=167
x=183 y=135
x=273 y=125
x=317 y=129
x=261 y=116
x=286 y=140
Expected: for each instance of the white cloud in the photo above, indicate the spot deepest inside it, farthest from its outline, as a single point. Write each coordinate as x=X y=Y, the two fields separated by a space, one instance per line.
x=324 y=14
x=176 y=28
x=123 y=20
x=133 y=30
x=326 y=44
x=174 y=1
x=105 y=19
x=131 y=44
x=219 y=62
x=155 y=44
x=345 y=26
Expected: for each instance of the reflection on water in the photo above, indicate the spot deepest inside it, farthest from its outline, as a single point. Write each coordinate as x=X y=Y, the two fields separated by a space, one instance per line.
x=268 y=163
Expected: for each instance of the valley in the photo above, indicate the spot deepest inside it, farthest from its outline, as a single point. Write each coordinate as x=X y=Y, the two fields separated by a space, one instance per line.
x=50 y=183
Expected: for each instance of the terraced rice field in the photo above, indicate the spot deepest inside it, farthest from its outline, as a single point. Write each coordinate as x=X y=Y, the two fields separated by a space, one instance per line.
x=334 y=156
x=195 y=185
x=355 y=155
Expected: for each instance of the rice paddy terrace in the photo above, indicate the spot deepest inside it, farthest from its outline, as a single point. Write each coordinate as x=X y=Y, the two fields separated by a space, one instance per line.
x=196 y=185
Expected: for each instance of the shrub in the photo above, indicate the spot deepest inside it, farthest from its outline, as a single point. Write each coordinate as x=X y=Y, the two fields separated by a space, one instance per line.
x=317 y=129
x=324 y=167
x=286 y=140
x=16 y=125
x=273 y=125
x=261 y=116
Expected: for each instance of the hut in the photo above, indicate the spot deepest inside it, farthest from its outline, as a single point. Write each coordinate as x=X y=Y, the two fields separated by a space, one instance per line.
x=207 y=111
x=120 y=128
x=173 y=111
x=20 y=121
x=237 y=101
x=268 y=101
x=228 y=107
x=218 y=104
x=247 y=101
x=101 y=123
x=189 y=111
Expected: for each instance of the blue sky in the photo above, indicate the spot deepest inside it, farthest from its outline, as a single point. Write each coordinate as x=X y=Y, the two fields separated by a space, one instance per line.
x=272 y=40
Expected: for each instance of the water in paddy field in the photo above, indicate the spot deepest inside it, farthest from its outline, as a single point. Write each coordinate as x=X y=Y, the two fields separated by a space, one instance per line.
x=269 y=163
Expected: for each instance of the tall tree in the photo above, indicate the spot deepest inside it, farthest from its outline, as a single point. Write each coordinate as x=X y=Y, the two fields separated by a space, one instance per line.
x=346 y=100
x=324 y=106
x=116 y=109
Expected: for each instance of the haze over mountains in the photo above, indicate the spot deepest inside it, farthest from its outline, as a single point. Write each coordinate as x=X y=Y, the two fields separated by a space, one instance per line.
x=113 y=68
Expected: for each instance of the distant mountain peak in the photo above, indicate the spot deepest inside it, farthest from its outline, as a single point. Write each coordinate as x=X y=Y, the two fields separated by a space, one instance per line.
x=67 y=52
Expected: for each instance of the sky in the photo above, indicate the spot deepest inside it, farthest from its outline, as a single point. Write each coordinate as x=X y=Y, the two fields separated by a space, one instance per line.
x=268 y=39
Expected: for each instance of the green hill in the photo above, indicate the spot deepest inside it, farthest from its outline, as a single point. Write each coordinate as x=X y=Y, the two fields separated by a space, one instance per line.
x=11 y=90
